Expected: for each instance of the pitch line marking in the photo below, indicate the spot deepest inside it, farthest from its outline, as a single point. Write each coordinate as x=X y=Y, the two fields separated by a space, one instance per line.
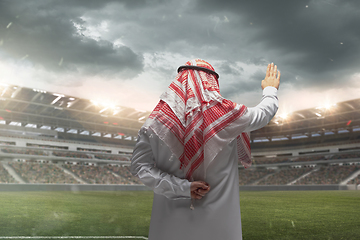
x=72 y=237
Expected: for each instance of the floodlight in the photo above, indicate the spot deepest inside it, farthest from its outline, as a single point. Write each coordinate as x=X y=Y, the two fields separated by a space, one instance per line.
x=284 y=116
x=327 y=106
x=94 y=102
x=38 y=90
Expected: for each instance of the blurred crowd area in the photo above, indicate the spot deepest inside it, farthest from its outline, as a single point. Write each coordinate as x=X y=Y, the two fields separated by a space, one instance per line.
x=115 y=157
x=250 y=176
x=356 y=180
x=318 y=157
x=103 y=174
x=41 y=173
x=24 y=151
x=75 y=171
x=111 y=157
x=35 y=172
x=5 y=177
x=332 y=174
x=67 y=154
x=284 y=176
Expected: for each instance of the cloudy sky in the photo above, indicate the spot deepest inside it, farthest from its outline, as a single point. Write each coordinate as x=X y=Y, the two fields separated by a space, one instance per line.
x=127 y=51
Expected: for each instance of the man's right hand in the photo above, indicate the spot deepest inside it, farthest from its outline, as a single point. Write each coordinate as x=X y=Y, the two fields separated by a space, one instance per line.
x=272 y=77
x=199 y=189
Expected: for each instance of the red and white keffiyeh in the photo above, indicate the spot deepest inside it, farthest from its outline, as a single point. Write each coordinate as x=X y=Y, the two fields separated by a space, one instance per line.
x=196 y=122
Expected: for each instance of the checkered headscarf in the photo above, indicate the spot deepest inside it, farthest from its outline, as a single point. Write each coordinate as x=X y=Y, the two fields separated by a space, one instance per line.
x=196 y=122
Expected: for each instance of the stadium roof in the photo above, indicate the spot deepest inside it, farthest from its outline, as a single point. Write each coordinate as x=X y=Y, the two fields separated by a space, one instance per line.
x=337 y=118
x=24 y=106
x=41 y=108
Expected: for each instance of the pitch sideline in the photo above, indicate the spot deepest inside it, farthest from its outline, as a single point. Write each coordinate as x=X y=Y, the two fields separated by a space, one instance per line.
x=73 y=237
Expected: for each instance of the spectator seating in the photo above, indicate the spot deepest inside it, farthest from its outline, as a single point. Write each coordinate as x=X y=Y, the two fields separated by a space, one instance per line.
x=101 y=174
x=248 y=176
x=125 y=173
x=356 y=180
x=71 y=154
x=5 y=177
x=111 y=157
x=265 y=160
x=24 y=151
x=332 y=174
x=41 y=173
x=284 y=176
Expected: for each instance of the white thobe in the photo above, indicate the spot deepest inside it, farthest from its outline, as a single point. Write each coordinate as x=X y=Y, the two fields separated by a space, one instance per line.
x=217 y=215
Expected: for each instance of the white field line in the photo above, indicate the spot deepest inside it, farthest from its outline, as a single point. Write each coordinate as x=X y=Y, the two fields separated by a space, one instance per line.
x=72 y=237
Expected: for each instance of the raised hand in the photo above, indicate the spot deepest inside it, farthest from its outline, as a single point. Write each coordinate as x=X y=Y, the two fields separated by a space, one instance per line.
x=272 y=77
x=199 y=189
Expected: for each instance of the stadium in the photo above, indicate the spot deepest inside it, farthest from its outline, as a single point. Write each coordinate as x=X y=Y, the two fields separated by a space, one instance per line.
x=77 y=151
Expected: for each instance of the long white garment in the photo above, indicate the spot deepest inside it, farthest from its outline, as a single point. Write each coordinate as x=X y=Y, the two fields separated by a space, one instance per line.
x=217 y=215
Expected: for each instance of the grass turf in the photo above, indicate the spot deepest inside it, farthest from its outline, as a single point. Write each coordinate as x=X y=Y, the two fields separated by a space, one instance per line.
x=265 y=215
x=328 y=215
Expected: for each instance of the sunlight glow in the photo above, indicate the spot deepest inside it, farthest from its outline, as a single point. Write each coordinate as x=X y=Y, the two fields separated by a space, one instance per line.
x=284 y=115
x=327 y=106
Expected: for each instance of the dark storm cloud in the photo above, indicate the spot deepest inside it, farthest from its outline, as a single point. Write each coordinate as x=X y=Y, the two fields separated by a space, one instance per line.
x=96 y=4
x=257 y=61
x=167 y=26
x=230 y=68
x=242 y=84
x=44 y=33
x=312 y=39
x=313 y=42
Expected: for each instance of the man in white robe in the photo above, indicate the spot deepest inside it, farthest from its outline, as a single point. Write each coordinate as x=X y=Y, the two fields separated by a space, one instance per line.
x=191 y=162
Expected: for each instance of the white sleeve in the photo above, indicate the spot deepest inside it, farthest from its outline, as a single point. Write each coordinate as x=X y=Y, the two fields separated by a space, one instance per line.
x=143 y=166
x=261 y=115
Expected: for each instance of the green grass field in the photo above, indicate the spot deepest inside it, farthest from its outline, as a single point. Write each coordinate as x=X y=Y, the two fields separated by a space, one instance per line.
x=265 y=215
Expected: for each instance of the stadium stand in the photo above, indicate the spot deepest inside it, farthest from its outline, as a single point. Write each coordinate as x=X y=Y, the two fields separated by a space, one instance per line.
x=125 y=173
x=284 y=176
x=32 y=172
x=270 y=160
x=71 y=154
x=249 y=176
x=94 y=174
x=111 y=157
x=355 y=180
x=36 y=172
x=332 y=174
x=24 y=151
x=5 y=177
x=53 y=138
